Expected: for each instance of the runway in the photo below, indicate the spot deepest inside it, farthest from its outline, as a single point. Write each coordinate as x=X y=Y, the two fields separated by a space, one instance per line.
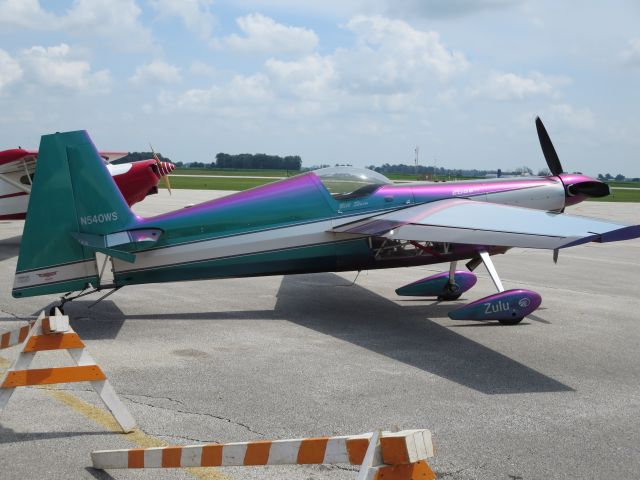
x=557 y=396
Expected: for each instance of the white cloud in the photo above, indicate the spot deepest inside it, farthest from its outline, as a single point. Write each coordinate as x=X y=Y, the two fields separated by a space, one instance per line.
x=266 y=36
x=388 y=68
x=23 y=14
x=114 y=20
x=447 y=8
x=509 y=86
x=202 y=69
x=156 y=72
x=10 y=70
x=240 y=97
x=312 y=77
x=56 y=67
x=391 y=51
x=631 y=55
x=195 y=14
x=582 y=119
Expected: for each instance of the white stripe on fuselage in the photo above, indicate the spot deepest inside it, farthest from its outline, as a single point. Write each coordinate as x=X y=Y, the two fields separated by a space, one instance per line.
x=55 y=274
x=294 y=236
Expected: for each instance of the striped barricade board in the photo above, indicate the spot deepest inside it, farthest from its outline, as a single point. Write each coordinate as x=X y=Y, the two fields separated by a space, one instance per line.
x=55 y=333
x=387 y=455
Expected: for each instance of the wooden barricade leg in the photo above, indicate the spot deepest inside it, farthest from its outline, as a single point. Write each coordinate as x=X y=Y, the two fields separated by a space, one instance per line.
x=54 y=333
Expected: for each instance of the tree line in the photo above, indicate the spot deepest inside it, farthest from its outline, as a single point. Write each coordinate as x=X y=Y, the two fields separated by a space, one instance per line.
x=258 y=161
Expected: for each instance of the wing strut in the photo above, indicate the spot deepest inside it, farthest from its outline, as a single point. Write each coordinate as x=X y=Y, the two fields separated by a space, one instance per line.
x=488 y=263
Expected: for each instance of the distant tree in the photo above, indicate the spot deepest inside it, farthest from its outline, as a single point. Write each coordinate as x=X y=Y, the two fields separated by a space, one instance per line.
x=179 y=164
x=544 y=172
x=607 y=176
x=601 y=177
x=524 y=170
x=620 y=177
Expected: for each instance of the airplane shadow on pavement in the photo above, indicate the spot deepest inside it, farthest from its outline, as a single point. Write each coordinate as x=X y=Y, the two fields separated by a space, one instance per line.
x=9 y=247
x=406 y=334
x=323 y=302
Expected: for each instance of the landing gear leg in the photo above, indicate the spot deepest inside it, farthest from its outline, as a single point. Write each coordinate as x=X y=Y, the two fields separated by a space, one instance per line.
x=452 y=290
x=493 y=273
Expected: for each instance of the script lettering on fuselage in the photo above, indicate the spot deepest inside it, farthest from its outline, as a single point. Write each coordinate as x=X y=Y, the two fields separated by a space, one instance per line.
x=353 y=204
x=99 y=218
x=465 y=191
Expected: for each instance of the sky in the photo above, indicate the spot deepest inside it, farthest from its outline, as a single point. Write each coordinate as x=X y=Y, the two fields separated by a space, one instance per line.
x=349 y=81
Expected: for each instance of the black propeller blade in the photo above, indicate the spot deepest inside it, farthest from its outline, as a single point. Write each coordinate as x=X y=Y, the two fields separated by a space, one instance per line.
x=547 y=149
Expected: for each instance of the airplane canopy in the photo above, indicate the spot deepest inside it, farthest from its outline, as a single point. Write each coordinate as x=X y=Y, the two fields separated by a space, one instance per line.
x=351 y=181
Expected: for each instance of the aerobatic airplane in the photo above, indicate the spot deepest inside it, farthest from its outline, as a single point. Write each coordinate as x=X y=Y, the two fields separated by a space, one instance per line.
x=334 y=219
x=135 y=180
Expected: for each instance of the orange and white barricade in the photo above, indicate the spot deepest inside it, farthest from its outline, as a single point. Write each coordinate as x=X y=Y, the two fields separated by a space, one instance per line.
x=382 y=455
x=55 y=333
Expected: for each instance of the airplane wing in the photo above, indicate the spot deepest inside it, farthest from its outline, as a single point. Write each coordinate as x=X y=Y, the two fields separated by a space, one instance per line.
x=17 y=159
x=479 y=223
x=113 y=156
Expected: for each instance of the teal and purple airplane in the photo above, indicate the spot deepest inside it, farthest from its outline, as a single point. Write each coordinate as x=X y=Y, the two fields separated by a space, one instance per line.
x=328 y=220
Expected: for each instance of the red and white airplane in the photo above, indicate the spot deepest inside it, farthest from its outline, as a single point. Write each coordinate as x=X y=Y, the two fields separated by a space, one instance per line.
x=135 y=180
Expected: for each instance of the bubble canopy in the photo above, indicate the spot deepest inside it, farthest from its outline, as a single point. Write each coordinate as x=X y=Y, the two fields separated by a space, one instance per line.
x=350 y=181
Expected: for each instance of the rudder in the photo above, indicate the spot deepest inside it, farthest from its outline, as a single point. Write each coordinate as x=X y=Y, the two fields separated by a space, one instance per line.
x=72 y=193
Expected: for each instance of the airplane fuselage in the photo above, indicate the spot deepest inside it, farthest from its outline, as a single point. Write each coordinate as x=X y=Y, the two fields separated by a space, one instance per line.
x=286 y=227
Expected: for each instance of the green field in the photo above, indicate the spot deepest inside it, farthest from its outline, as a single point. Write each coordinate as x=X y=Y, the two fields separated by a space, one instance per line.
x=238 y=172
x=620 y=196
x=624 y=184
x=207 y=183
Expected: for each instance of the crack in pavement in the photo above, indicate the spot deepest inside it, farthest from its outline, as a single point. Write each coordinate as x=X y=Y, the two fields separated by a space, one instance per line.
x=186 y=412
x=17 y=317
x=129 y=395
x=191 y=439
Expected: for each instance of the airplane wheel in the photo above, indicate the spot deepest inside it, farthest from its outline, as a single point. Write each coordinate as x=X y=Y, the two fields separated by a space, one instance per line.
x=451 y=292
x=510 y=321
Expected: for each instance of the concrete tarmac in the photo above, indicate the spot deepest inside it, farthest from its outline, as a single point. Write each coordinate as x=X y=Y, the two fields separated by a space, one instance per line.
x=557 y=396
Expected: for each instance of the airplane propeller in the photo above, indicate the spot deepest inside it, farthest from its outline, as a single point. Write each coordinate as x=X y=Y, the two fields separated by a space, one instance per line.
x=550 y=155
x=165 y=177
x=588 y=189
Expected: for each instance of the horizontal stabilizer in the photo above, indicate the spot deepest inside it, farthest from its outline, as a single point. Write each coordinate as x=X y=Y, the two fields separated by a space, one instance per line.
x=119 y=244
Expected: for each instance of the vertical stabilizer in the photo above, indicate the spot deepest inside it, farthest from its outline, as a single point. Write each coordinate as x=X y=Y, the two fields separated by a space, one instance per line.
x=72 y=193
